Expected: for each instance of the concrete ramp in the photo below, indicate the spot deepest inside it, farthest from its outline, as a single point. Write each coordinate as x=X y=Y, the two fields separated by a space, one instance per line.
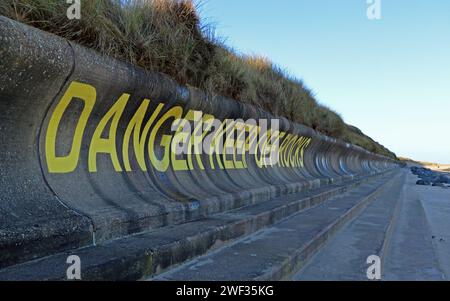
x=87 y=149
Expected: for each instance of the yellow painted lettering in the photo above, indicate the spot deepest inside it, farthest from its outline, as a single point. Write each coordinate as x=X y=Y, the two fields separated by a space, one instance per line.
x=66 y=164
x=107 y=145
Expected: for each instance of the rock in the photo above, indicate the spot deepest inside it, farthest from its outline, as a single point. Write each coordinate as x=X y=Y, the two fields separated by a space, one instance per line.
x=423 y=172
x=430 y=179
x=423 y=182
x=443 y=179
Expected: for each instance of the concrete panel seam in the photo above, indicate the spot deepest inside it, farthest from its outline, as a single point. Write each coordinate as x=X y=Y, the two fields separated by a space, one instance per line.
x=38 y=148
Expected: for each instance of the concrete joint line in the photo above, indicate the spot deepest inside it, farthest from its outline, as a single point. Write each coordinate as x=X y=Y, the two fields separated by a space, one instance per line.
x=38 y=139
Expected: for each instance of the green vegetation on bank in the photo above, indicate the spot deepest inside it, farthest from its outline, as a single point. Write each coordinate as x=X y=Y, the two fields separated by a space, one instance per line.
x=167 y=36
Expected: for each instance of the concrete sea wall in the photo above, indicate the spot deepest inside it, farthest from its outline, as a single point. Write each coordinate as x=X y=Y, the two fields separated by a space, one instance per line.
x=86 y=149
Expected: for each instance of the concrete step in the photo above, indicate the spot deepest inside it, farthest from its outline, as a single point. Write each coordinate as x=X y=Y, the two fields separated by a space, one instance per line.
x=149 y=253
x=276 y=252
x=345 y=256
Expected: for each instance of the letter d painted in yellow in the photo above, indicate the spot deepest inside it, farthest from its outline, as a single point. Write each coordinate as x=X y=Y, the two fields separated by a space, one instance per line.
x=66 y=164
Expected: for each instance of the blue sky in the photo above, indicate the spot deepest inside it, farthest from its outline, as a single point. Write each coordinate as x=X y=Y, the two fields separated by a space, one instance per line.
x=389 y=77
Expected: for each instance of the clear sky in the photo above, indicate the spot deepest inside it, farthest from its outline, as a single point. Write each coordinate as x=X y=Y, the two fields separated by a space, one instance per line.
x=389 y=77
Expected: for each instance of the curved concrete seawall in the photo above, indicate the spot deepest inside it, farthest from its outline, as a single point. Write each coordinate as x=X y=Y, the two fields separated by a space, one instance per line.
x=86 y=149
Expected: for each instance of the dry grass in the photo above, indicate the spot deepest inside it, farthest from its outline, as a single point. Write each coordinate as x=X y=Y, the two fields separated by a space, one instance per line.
x=167 y=36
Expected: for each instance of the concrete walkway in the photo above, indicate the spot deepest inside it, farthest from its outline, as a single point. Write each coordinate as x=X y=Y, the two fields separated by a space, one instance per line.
x=344 y=257
x=412 y=254
x=408 y=226
x=436 y=204
x=422 y=251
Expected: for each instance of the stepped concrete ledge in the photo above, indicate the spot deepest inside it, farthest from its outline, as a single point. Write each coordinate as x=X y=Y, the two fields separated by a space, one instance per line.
x=278 y=251
x=145 y=254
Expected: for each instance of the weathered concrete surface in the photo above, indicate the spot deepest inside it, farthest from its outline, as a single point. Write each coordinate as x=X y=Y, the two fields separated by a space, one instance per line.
x=412 y=254
x=436 y=204
x=32 y=217
x=344 y=257
x=150 y=253
x=407 y=226
x=274 y=253
x=71 y=174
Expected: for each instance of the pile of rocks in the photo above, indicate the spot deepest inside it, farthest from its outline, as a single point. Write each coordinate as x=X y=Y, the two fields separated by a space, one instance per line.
x=429 y=177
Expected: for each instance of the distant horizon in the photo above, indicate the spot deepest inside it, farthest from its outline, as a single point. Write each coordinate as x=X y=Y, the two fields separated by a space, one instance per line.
x=388 y=77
